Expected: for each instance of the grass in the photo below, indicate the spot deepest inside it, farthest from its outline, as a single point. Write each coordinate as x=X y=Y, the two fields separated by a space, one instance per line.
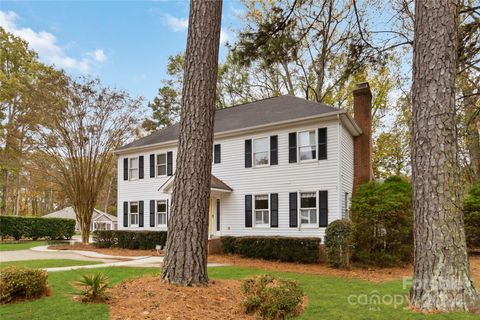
x=21 y=245
x=328 y=297
x=49 y=263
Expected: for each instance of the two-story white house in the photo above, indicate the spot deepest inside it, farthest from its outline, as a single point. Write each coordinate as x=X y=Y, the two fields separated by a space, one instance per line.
x=281 y=166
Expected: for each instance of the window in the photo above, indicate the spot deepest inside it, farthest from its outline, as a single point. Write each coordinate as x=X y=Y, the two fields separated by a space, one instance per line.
x=162 y=164
x=260 y=152
x=262 y=212
x=134 y=214
x=161 y=213
x=308 y=208
x=133 y=171
x=307 y=145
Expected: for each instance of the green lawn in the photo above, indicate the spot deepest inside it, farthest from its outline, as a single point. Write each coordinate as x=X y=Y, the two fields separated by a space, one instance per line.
x=23 y=245
x=50 y=263
x=328 y=297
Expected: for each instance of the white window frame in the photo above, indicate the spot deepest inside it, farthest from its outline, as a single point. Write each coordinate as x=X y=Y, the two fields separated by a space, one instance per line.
x=130 y=214
x=157 y=213
x=261 y=225
x=300 y=208
x=315 y=145
x=131 y=169
x=157 y=165
x=268 y=153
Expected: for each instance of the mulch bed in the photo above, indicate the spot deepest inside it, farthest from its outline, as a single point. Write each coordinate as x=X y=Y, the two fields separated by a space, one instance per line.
x=150 y=298
x=369 y=274
x=107 y=251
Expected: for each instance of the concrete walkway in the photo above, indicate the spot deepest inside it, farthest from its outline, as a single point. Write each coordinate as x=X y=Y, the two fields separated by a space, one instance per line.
x=42 y=252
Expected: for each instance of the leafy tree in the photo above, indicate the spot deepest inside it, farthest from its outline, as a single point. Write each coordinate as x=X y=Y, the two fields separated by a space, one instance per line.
x=80 y=140
x=471 y=210
x=29 y=92
x=383 y=220
x=186 y=249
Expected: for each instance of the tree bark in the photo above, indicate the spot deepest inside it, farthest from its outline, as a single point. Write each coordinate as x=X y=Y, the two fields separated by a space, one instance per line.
x=441 y=267
x=186 y=249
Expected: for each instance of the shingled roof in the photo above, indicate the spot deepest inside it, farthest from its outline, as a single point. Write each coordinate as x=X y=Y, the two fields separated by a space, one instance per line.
x=262 y=112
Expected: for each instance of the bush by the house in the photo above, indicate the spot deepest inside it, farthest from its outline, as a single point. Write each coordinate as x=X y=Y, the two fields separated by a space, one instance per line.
x=304 y=250
x=104 y=238
x=35 y=228
x=339 y=239
x=271 y=298
x=471 y=209
x=22 y=283
x=129 y=239
x=93 y=288
x=383 y=220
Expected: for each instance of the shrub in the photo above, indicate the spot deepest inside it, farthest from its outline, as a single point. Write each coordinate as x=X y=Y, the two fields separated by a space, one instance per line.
x=104 y=238
x=35 y=227
x=129 y=239
x=383 y=220
x=93 y=287
x=471 y=210
x=339 y=237
x=304 y=250
x=270 y=297
x=22 y=283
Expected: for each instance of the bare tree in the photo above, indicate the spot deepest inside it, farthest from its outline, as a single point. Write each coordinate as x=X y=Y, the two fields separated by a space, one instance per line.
x=79 y=142
x=186 y=251
x=441 y=269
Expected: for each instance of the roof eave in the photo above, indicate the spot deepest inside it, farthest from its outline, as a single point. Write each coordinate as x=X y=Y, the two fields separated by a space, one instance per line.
x=223 y=134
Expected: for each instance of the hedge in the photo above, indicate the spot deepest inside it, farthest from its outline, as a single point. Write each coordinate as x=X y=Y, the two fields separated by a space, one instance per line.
x=35 y=227
x=129 y=239
x=19 y=283
x=304 y=250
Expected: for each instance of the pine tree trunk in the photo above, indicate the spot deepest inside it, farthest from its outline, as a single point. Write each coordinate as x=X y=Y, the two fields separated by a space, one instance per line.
x=186 y=250
x=441 y=268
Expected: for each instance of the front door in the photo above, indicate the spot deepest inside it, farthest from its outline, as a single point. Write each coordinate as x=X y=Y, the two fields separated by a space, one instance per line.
x=214 y=217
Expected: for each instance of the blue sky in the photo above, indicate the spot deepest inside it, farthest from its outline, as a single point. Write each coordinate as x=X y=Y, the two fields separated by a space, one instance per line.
x=125 y=43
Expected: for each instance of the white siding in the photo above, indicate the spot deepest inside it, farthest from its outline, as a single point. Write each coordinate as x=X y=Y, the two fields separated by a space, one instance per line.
x=282 y=178
x=346 y=169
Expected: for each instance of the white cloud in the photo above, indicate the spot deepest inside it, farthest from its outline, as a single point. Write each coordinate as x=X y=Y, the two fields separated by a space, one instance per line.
x=45 y=44
x=224 y=36
x=99 y=55
x=176 y=24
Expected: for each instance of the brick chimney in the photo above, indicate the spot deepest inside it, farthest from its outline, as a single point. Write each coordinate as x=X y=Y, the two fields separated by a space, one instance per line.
x=362 y=145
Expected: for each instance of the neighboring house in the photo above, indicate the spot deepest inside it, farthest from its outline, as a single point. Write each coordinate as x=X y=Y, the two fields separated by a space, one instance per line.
x=281 y=166
x=100 y=219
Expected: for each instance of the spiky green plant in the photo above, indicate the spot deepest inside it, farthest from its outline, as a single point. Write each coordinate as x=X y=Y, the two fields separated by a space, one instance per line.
x=93 y=287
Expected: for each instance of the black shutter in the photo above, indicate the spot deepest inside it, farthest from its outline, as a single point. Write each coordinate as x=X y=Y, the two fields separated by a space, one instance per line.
x=152 y=213
x=169 y=163
x=168 y=209
x=293 y=210
x=216 y=153
x=152 y=166
x=248 y=153
x=273 y=150
x=218 y=214
x=125 y=214
x=274 y=210
x=323 y=208
x=322 y=144
x=292 y=147
x=140 y=167
x=140 y=214
x=248 y=211
x=125 y=168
